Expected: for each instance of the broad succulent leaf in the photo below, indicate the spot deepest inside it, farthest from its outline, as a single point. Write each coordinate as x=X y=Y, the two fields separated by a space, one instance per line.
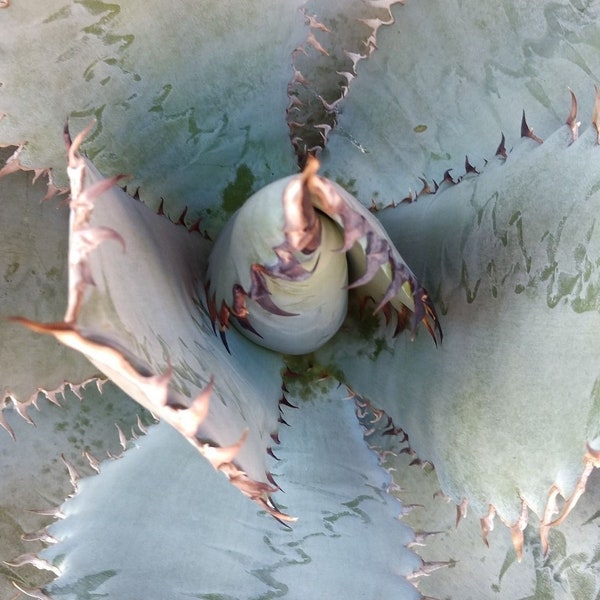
x=33 y=263
x=236 y=552
x=200 y=106
x=447 y=79
x=65 y=430
x=568 y=571
x=162 y=353
x=208 y=90
x=512 y=265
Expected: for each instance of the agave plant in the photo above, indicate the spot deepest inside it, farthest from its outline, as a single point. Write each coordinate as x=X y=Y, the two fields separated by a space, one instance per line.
x=304 y=279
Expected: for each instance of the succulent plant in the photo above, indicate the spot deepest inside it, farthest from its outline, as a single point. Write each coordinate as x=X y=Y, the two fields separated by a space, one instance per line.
x=273 y=283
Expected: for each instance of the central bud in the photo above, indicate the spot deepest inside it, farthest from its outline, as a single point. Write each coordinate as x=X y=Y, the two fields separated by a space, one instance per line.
x=277 y=273
x=279 y=269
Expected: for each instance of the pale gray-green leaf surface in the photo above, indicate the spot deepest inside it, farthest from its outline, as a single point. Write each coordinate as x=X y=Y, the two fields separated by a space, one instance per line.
x=195 y=110
x=196 y=536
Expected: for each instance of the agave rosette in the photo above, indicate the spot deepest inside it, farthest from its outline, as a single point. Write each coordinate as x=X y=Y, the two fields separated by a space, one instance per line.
x=510 y=281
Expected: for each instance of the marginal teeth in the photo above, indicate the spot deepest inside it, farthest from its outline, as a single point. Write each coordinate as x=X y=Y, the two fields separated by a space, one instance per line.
x=259 y=292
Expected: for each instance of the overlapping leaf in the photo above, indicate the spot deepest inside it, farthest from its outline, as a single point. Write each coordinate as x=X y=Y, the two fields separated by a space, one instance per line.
x=448 y=78
x=194 y=535
x=507 y=408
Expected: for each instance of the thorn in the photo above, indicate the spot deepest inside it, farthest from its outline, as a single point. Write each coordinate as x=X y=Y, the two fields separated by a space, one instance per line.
x=315 y=24
x=426 y=189
x=461 y=511
x=448 y=177
x=51 y=396
x=219 y=456
x=7 y=427
x=143 y=429
x=259 y=292
x=187 y=419
x=67 y=135
x=181 y=220
x=271 y=453
x=442 y=496
x=285 y=402
x=195 y=226
x=272 y=481
x=93 y=461
x=501 y=150
x=122 y=438
x=516 y=530
x=421 y=538
x=74 y=145
x=312 y=40
x=427 y=568
x=36 y=561
x=526 y=131
x=211 y=306
x=487 y=524
x=274 y=511
x=224 y=340
x=42 y=536
x=55 y=512
x=408 y=508
x=469 y=168
x=549 y=511
x=31 y=592
x=21 y=407
x=74 y=476
x=572 y=121
x=591 y=461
